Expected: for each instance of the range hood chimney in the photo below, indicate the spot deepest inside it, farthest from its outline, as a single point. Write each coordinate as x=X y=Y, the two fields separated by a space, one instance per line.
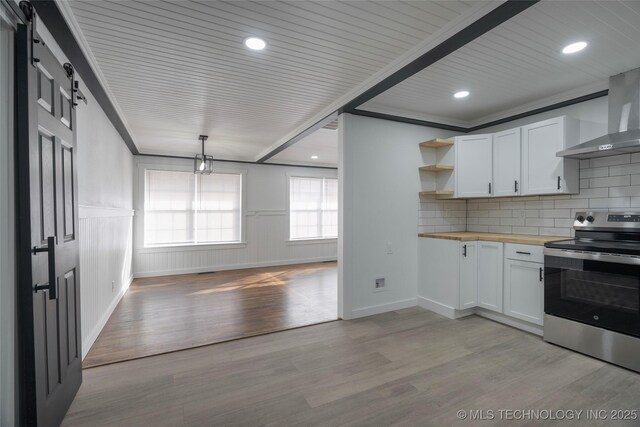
x=624 y=121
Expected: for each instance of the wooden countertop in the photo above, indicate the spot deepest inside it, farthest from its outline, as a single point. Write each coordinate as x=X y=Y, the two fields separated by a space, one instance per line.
x=495 y=237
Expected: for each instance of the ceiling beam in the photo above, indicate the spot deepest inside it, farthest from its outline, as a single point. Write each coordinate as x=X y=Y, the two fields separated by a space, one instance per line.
x=486 y=23
x=461 y=129
x=49 y=13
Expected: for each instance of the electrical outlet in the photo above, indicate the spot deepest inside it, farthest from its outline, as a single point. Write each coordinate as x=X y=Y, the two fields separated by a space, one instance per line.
x=389 y=248
x=380 y=284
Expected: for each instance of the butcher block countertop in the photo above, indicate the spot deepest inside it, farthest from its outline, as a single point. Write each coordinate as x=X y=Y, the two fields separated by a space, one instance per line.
x=494 y=237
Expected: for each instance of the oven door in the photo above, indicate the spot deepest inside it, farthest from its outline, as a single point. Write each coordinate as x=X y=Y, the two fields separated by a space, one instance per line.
x=589 y=287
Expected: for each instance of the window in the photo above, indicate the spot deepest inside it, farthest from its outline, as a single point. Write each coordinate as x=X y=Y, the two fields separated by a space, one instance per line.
x=313 y=208
x=183 y=208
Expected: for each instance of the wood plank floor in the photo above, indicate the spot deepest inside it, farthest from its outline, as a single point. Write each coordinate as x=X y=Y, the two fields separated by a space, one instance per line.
x=162 y=314
x=410 y=368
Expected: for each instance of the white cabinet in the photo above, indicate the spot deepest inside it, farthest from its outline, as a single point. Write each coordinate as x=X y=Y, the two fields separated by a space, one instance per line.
x=473 y=165
x=524 y=290
x=489 y=275
x=542 y=171
x=468 y=276
x=506 y=163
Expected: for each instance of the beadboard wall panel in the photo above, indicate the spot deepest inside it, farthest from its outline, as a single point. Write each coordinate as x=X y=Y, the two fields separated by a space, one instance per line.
x=106 y=243
x=266 y=244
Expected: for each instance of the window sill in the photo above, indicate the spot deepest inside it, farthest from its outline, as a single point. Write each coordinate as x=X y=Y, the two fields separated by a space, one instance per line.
x=192 y=247
x=314 y=241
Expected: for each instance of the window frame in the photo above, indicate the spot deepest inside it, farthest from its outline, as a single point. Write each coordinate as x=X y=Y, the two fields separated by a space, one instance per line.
x=140 y=198
x=304 y=240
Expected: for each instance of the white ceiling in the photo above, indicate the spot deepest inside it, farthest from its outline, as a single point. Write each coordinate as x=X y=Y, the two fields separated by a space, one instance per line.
x=520 y=62
x=322 y=143
x=178 y=69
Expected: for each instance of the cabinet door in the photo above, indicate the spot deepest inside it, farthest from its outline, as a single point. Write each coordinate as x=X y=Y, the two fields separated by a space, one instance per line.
x=542 y=171
x=506 y=163
x=473 y=165
x=524 y=290
x=490 y=275
x=468 y=287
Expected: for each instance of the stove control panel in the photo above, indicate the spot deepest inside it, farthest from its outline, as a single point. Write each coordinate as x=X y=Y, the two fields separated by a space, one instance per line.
x=596 y=219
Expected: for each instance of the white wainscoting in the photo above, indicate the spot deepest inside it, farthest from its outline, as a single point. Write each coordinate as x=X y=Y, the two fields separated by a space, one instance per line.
x=266 y=245
x=106 y=242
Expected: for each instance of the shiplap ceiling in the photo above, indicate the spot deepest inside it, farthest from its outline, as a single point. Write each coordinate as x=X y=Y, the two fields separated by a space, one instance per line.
x=178 y=69
x=521 y=62
x=323 y=143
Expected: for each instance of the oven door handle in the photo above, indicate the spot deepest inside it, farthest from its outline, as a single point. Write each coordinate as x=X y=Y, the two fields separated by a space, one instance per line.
x=593 y=256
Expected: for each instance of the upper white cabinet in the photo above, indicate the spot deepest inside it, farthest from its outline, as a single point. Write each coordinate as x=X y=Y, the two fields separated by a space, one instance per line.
x=506 y=163
x=542 y=171
x=474 y=170
x=489 y=276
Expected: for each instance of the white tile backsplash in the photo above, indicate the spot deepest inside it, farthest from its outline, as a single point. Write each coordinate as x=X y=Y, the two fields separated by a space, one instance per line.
x=607 y=183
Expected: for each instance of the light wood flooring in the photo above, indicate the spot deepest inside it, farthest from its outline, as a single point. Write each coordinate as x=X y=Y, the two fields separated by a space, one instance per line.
x=161 y=314
x=410 y=367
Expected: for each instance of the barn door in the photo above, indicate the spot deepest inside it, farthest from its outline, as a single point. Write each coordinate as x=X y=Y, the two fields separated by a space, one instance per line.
x=47 y=201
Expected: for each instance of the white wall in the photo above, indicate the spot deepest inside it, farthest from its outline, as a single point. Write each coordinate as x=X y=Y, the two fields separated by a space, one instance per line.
x=105 y=176
x=379 y=202
x=266 y=225
x=7 y=225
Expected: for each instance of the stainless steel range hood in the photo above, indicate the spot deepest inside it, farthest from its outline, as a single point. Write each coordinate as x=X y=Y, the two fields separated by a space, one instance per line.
x=624 y=121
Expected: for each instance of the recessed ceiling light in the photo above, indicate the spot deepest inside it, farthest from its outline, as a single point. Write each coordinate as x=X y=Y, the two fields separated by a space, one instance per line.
x=574 y=47
x=461 y=94
x=314 y=157
x=255 y=43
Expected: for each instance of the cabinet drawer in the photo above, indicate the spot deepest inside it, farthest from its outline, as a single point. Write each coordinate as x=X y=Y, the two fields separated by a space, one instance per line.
x=524 y=252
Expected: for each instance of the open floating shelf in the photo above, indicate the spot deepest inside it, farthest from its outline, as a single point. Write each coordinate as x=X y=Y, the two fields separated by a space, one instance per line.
x=436 y=193
x=436 y=143
x=436 y=168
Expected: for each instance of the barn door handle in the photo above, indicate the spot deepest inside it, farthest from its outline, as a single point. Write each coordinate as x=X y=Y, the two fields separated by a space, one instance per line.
x=51 y=250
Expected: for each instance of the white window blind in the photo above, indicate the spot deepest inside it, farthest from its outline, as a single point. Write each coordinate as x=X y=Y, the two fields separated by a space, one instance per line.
x=183 y=208
x=313 y=208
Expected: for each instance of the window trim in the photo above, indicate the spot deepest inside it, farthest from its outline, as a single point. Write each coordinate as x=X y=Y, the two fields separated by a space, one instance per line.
x=140 y=199
x=305 y=240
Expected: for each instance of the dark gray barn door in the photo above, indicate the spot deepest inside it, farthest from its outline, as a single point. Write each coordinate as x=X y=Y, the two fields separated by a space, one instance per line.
x=48 y=265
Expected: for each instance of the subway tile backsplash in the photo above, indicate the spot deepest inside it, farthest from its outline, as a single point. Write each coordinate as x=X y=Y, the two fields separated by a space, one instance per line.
x=437 y=216
x=607 y=183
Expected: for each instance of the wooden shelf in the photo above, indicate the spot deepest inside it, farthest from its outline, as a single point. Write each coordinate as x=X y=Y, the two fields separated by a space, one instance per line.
x=436 y=143
x=436 y=193
x=436 y=168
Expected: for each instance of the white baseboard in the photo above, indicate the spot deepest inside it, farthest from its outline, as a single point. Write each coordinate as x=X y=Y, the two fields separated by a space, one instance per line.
x=383 y=308
x=230 y=267
x=511 y=321
x=443 y=309
x=93 y=335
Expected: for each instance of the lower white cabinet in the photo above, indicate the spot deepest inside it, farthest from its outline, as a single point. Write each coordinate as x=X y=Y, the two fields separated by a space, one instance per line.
x=456 y=276
x=524 y=290
x=468 y=276
x=489 y=275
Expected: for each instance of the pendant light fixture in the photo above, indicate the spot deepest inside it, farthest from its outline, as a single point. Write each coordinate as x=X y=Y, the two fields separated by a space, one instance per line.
x=203 y=164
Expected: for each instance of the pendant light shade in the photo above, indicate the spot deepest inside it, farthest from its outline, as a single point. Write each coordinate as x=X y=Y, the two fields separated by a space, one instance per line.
x=203 y=164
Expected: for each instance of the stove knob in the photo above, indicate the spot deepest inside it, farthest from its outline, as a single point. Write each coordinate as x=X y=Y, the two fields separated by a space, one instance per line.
x=580 y=218
x=590 y=218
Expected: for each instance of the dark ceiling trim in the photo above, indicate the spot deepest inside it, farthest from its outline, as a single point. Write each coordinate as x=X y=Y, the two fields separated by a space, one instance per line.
x=488 y=22
x=445 y=126
x=497 y=16
x=541 y=110
x=49 y=13
x=331 y=117
x=408 y=120
x=164 y=156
